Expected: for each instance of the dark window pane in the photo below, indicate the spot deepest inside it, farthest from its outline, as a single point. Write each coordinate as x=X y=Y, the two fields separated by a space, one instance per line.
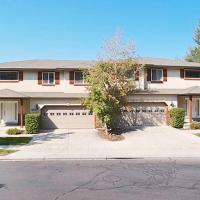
x=79 y=77
x=157 y=75
x=130 y=74
x=8 y=76
x=51 y=78
x=45 y=77
x=192 y=74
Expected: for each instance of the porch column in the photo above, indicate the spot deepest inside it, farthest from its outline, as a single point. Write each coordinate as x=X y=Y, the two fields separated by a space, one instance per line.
x=190 y=108
x=166 y=115
x=21 y=113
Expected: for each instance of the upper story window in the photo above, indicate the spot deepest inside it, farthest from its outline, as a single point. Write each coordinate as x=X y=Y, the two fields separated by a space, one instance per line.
x=79 y=77
x=157 y=75
x=192 y=74
x=9 y=76
x=130 y=74
x=48 y=78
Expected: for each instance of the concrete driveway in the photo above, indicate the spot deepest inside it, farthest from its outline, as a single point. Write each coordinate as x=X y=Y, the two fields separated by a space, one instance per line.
x=162 y=141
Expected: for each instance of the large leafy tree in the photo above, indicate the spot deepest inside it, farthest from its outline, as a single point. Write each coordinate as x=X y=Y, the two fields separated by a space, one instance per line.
x=111 y=79
x=194 y=53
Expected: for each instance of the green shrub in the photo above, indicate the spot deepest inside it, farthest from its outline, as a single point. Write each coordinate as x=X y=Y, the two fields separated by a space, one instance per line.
x=32 y=123
x=14 y=131
x=195 y=125
x=177 y=116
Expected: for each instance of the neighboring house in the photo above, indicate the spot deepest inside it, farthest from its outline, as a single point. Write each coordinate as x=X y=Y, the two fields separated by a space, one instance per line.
x=55 y=88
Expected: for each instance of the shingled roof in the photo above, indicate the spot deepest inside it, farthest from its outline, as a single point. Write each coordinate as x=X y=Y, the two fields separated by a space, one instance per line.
x=7 y=93
x=166 y=62
x=82 y=64
x=47 y=64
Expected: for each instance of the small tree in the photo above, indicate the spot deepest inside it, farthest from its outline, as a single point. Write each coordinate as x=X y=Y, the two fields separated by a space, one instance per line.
x=111 y=80
x=194 y=53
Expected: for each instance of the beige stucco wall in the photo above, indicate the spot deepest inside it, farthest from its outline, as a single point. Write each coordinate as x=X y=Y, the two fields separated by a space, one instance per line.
x=168 y=99
x=173 y=81
x=30 y=84
x=42 y=102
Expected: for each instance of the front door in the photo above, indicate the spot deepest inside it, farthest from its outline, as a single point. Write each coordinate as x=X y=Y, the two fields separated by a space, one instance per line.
x=9 y=112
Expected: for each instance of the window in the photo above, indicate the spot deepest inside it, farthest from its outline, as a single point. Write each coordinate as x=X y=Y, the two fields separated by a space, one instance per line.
x=192 y=74
x=130 y=74
x=9 y=76
x=48 y=78
x=156 y=74
x=90 y=113
x=79 y=77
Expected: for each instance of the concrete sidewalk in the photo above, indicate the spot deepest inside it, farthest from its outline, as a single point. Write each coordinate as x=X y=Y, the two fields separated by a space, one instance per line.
x=162 y=141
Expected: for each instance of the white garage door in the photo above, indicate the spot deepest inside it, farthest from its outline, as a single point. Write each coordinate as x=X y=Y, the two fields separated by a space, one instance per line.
x=145 y=114
x=66 y=117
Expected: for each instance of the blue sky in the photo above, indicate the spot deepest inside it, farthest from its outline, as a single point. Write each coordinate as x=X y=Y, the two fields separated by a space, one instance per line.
x=75 y=29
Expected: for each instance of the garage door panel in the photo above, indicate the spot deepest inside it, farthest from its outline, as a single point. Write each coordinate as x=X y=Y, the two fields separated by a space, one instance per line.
x=66 y=117
x=144 y=114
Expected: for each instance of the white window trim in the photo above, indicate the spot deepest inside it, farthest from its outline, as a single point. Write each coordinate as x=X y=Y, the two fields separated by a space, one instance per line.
x=190 y=70
x=152 y=74
x=83 y=79
x=10 y=80
x=48 y=78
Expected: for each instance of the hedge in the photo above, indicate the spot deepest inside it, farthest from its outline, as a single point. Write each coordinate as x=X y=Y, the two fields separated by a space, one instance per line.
x=32 y=123
x=14 y=131
x=177 y=116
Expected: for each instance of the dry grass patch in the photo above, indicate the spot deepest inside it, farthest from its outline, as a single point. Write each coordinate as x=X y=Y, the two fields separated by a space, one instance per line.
x=110 y=136
x=4 y=152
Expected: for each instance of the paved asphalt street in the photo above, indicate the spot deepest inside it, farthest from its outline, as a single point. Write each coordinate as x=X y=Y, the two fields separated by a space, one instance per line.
x=138 y=179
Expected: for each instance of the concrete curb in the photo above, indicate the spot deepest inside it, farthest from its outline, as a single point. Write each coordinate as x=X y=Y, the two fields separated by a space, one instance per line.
x=108 y=158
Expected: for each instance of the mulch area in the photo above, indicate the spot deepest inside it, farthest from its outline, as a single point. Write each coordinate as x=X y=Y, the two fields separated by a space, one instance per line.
x=110 y=136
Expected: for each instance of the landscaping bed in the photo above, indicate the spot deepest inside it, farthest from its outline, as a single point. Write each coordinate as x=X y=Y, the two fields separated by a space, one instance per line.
x=108 y=136
x=4 y=152
x=14 y=140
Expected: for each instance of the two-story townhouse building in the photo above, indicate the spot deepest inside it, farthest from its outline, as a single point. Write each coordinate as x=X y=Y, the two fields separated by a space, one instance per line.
x=55 y=88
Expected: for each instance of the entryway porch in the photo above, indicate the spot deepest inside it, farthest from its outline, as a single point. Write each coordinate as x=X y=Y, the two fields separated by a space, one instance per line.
x=191 y=105
x=13 y=106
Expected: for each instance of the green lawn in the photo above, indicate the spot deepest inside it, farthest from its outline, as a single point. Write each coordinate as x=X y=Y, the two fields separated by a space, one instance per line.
x=4 y=152
x=197 y=134
x=14 y=140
